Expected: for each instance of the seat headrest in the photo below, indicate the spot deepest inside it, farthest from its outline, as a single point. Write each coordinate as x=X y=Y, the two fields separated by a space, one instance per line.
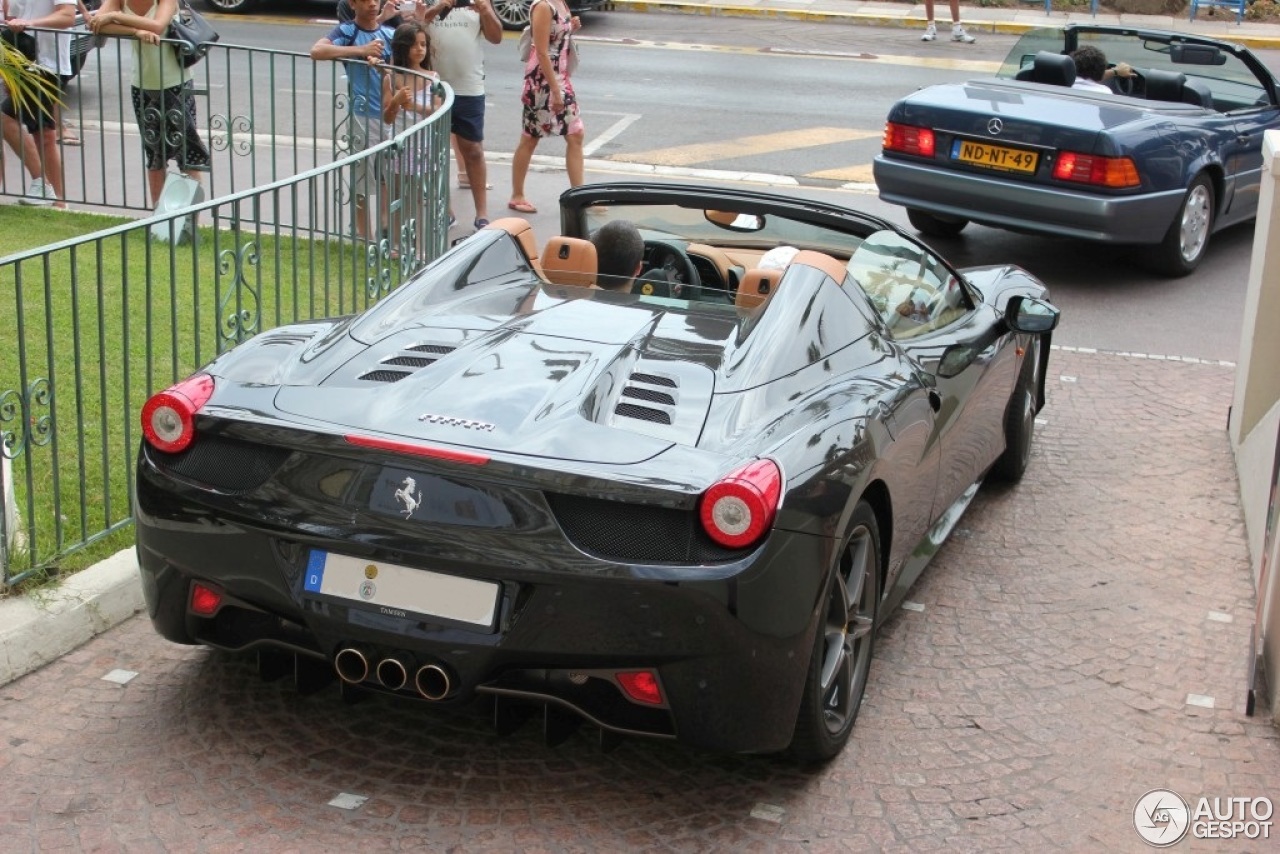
x=522 y=231
x=1056 y=69
x=1197 y=92
x=821 y=261
x=569 y=261
x=757 y=285
x=1164 y=85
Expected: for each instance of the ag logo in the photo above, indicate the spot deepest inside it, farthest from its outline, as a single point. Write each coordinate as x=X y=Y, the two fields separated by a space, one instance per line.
x=1161 y=818
x=646 y=289
x=371 y=572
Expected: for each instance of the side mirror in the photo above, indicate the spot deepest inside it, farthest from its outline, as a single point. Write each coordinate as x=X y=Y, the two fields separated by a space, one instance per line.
x=1033 y=316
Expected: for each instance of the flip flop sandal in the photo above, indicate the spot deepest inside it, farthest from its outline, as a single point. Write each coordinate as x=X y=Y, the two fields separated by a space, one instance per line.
x=522 y=207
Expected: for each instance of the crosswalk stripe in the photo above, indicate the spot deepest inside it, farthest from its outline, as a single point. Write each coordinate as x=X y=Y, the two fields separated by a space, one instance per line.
x=745 y=146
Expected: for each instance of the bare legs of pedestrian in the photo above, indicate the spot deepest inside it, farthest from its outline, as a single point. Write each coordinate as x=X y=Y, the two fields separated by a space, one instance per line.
x=573 y=159
x=520 y=169
x=471 y=155
x=573 y=163
x=39 y=153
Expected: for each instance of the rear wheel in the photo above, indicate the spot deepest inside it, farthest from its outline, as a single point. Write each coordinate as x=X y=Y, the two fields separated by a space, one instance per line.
x=841 y=658
x=1020 y=420
x=933 y=225
x=1184 y=245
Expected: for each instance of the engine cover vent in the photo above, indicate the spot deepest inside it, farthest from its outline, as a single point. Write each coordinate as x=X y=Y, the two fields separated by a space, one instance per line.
x=659 y=404
x=406 y=359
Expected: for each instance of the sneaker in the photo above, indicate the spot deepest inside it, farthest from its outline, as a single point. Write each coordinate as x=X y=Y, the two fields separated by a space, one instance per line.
x=959 y=35
x=930 y=33
x=39 y=193
x=480 y=223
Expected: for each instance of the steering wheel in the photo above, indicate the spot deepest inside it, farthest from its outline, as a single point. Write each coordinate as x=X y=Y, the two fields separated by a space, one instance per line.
x=1126 y=85
x=668 y=271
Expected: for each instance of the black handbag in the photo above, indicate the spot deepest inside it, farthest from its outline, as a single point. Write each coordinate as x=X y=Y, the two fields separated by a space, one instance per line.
x=195 y=33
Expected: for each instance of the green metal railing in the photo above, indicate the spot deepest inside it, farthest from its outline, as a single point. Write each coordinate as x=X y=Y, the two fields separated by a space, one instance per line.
x=98 y=322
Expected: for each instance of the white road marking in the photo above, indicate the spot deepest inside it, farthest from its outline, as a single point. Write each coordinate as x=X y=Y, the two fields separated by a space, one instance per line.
x=624 y=121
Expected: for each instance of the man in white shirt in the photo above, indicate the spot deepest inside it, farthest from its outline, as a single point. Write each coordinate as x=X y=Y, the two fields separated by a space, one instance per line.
x=456 y=29
x=1092 y=71
x=32 y=131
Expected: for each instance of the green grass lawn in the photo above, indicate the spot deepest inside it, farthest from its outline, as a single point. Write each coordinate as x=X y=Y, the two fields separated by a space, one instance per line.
x=94 y=329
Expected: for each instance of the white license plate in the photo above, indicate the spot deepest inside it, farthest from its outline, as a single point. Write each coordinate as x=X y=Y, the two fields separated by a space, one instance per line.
x=401 y=591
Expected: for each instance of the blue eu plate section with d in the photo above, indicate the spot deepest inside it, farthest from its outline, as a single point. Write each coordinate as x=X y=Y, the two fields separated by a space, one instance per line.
x=401 y=591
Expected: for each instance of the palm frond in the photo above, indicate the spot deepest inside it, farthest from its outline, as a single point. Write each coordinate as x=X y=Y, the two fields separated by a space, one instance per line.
x=22 y=78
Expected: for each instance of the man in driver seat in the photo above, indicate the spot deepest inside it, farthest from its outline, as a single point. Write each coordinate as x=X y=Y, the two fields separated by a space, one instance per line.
x=619 y=255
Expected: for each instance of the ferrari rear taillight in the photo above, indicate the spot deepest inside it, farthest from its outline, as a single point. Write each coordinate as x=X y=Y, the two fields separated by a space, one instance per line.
x=908 y=140
x=738 y=509
x=168 y=418
x=205 y=601
x=1114 y=172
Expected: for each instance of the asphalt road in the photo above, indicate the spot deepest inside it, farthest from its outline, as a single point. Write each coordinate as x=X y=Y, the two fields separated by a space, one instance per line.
x=806 y=103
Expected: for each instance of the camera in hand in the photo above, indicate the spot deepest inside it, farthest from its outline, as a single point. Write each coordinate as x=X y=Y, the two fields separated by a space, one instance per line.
x=457 y=4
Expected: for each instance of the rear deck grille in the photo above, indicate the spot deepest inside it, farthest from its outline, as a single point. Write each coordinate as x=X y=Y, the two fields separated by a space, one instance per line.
x=636 y=533
x=227 y=465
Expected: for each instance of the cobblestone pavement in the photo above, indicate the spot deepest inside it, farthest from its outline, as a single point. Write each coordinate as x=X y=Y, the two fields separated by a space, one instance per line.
x=1069 y=635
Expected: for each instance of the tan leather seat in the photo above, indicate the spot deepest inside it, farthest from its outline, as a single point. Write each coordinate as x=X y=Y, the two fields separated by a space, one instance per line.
x=522 y=231
x=821 y=261
x=757 y=285
x=569 y=261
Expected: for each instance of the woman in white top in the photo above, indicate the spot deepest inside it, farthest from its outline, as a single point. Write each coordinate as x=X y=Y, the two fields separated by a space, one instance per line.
x=162 y=91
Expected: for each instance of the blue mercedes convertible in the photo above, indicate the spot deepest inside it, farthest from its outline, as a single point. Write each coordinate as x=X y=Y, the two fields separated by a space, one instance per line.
x=1170 y=154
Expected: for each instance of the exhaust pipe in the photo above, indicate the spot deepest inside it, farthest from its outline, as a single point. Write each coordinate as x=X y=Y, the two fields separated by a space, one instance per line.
x=352 y=665
x=393 y=672
x=433 y=682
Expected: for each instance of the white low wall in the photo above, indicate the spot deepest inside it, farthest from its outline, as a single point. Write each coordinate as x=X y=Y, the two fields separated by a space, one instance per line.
x=1254 y=425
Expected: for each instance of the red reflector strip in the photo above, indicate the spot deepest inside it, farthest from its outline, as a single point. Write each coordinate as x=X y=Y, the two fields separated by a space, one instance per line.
x=466 y=457
x=205 y=601
x=641 y=686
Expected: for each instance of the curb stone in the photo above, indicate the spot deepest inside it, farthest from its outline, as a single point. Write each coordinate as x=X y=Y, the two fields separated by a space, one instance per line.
x=42 y=626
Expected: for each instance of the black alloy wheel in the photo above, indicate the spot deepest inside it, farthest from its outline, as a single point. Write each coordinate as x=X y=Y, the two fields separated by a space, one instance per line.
x=1020 y=419
x=841 y=659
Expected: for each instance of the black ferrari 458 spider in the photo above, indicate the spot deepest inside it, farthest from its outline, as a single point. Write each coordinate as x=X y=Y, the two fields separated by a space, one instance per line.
x=677 y=511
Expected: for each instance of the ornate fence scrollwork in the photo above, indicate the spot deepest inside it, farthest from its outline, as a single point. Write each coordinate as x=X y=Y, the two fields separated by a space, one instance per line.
x=231 y=133
x=31 y=428
x=239 y=306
